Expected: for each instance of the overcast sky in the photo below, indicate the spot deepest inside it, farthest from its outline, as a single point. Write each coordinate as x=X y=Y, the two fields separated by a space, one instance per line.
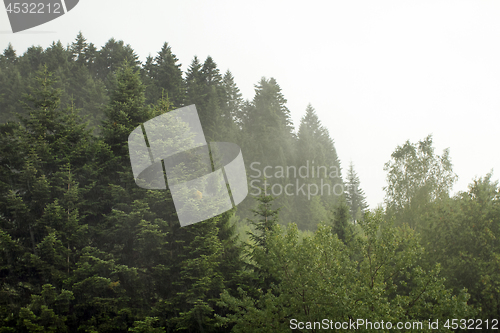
x=377 y=72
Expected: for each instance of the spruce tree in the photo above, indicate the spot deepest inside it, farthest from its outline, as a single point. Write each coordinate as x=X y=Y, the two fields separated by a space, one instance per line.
x=113 y=55
x=268 y=131
x=11 y=85
x=195 y=84
x=205 y=89
x=147 y=72
x=342 y=225
x=8 y=57
x=267 y=217
x=123 y=114
x=125 y=111
x=316 y=149
x=85 y=92
x=232 y=98
x=78 y=49
x=44 y=205
x=30 y=61
x=264 y=229
x=166 y=77
x=58 y=59
x=355 y=195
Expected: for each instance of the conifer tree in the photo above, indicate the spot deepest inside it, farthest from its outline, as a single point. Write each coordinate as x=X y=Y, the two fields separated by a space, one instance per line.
x=85 y=92
x=268 y=131
x=316 y=150
x=205 y=90
x=194 y=84
x=233 y=99
x=165 y=74
x=355 y=195
x=267 y=217
x=8 y=57
x=123 y=114
x=11 y=85
x=57 y=58
x=113 y=55
x=147 y=78
x=342 y=225
x=44 y=204
x=125 y=111
x=30 y=61
x=268 y=128
x=78 y=49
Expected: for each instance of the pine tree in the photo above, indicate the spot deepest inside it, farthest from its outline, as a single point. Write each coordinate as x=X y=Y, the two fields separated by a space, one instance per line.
x=11 y=85
x=264 y=228
x=30 y=61
x=86 y=93
x=316 y=149
x=195 y=85
x=267 y=218
x=166 y=77
x=342 y=225
x=44 y=205
x=268 y=132
x=57 y=58
x=233 y=99
x=211 y=73
x=205 y=90
x=123 y=114
x=147 y=72
x=9 y=57
x=113 y=55
x=125 y=111
x=355 y=195
x=78 y=49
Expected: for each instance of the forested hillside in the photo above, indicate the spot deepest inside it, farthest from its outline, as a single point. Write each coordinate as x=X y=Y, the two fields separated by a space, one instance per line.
x=84 y=249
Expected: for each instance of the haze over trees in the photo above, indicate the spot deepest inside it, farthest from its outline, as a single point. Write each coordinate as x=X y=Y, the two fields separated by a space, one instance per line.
x=84 y=249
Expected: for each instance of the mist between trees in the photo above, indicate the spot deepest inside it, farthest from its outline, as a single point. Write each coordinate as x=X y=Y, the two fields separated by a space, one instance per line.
x=84 y=249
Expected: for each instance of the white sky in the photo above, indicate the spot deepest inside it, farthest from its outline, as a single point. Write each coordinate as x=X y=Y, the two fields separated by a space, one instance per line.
x=377 y=72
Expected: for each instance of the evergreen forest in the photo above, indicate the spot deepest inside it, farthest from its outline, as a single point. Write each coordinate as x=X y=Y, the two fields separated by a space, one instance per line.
x=84 y=249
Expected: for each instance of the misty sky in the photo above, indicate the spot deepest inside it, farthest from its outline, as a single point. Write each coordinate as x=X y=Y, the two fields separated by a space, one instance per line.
x=377 y=72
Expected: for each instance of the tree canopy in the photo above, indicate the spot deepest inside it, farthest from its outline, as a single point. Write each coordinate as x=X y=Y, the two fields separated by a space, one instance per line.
x=84 y=249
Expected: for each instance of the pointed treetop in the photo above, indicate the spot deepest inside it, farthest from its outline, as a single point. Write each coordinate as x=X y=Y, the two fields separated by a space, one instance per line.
x=211 y=72
x=166 y=55
x=356 y=198
x=9 y=52
x=78 y=47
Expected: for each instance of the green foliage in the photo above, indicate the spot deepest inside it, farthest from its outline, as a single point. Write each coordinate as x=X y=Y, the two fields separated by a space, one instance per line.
x=319 y=280
x=113 y=55
x=233 y=100
x=146 y=326
x=416 y=176
x=355 y=196
x=463 y=236
x=84 y=249
x=163 y=76
x=342 y=222
x=126 y=109
x=267 y=218
x=316 y=152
